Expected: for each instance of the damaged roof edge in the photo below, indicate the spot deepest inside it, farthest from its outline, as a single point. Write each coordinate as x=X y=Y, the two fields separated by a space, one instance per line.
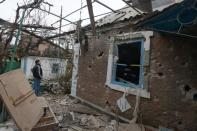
x=175 y=19
x=153 y=14
x=112 y=18
x=123 y=14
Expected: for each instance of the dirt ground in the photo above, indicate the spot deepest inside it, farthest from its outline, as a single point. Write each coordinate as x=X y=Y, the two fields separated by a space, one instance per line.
x=75 y=116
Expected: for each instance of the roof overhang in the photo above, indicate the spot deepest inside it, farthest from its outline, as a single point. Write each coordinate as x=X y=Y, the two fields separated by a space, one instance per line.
x=180 y=19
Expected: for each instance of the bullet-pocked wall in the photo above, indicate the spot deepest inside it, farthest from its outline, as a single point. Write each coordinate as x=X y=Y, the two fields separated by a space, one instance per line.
x=171 y=76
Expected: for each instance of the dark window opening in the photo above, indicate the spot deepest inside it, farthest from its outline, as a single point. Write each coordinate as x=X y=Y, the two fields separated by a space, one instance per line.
x=55 y=68
x=128 y=64
x=195 y=97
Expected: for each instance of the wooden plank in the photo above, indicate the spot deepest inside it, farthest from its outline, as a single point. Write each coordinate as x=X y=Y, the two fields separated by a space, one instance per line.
x=102 y=110
x=45 y=119
x=53 y=114
x=43 y=102
x=13 y=88
x=47 y=127
x=47 y=123
x=82 y=109
x=23 y=98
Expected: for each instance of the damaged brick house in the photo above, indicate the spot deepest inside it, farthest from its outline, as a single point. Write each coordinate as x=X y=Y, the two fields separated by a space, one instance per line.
x=30 y=45
x=152 y=56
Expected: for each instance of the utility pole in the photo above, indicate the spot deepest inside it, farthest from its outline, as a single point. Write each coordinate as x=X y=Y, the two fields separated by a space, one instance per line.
x=91 y=14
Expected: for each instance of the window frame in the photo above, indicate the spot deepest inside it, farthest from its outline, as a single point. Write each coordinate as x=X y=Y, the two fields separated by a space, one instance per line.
x=52 y=70
x=146 y=36
x=141 y=76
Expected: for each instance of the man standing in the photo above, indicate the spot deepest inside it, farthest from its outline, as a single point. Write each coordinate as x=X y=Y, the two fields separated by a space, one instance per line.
x=37 y=74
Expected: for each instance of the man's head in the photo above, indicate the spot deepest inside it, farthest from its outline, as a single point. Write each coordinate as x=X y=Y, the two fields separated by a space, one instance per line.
x=37 y=62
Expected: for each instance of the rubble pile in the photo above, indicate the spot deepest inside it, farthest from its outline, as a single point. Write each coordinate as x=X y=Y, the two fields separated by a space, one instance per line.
x=74 y=116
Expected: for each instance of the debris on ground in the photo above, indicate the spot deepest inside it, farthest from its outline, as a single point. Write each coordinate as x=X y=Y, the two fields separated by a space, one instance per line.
x=8 y=126
x=58 y=112
x=74 y=116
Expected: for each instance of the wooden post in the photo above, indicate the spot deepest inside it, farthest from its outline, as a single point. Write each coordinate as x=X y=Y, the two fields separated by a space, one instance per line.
x=91 y=14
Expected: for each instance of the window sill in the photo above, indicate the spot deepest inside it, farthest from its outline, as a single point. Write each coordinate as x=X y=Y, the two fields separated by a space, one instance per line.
x=143 y=92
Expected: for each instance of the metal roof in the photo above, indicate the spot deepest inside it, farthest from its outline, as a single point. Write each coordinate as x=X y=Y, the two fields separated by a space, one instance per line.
x=3 y=22
x=121 y=15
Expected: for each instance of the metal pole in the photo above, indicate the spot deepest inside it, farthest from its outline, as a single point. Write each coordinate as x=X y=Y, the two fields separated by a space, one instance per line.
x=91 y=14
x=87 y=19
x=70 y=14
x=17 y=39
x=57 y=16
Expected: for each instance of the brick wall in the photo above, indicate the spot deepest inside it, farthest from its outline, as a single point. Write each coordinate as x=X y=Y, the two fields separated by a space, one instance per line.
x=172 y=82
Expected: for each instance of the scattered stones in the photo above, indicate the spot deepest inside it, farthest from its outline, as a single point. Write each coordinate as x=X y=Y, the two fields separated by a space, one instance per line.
x=60 y=118
x=8 y=126
x=6 y=129
x=112 y=126
x=93 y=122
x=134 y=127
x=85 y=120
x=54 y=87
x=68 y=118
x=64 y=102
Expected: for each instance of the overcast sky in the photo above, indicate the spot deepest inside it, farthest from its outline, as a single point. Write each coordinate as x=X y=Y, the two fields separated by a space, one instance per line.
x=8 y=8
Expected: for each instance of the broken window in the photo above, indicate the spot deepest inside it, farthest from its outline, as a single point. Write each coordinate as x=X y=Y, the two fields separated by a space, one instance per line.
x=55 y=68
x=128 y=64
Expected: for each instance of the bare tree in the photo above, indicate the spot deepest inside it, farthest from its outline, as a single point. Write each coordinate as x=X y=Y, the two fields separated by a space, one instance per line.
x=10 y=31
x=33 y=5
x=2 y=1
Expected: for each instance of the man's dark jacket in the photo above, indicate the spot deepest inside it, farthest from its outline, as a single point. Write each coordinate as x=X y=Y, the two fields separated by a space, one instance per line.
x=37 y=71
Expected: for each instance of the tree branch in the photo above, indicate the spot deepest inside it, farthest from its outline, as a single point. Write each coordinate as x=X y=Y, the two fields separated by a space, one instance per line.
x=2 y=1
x=34 y=4
x=40 y=38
